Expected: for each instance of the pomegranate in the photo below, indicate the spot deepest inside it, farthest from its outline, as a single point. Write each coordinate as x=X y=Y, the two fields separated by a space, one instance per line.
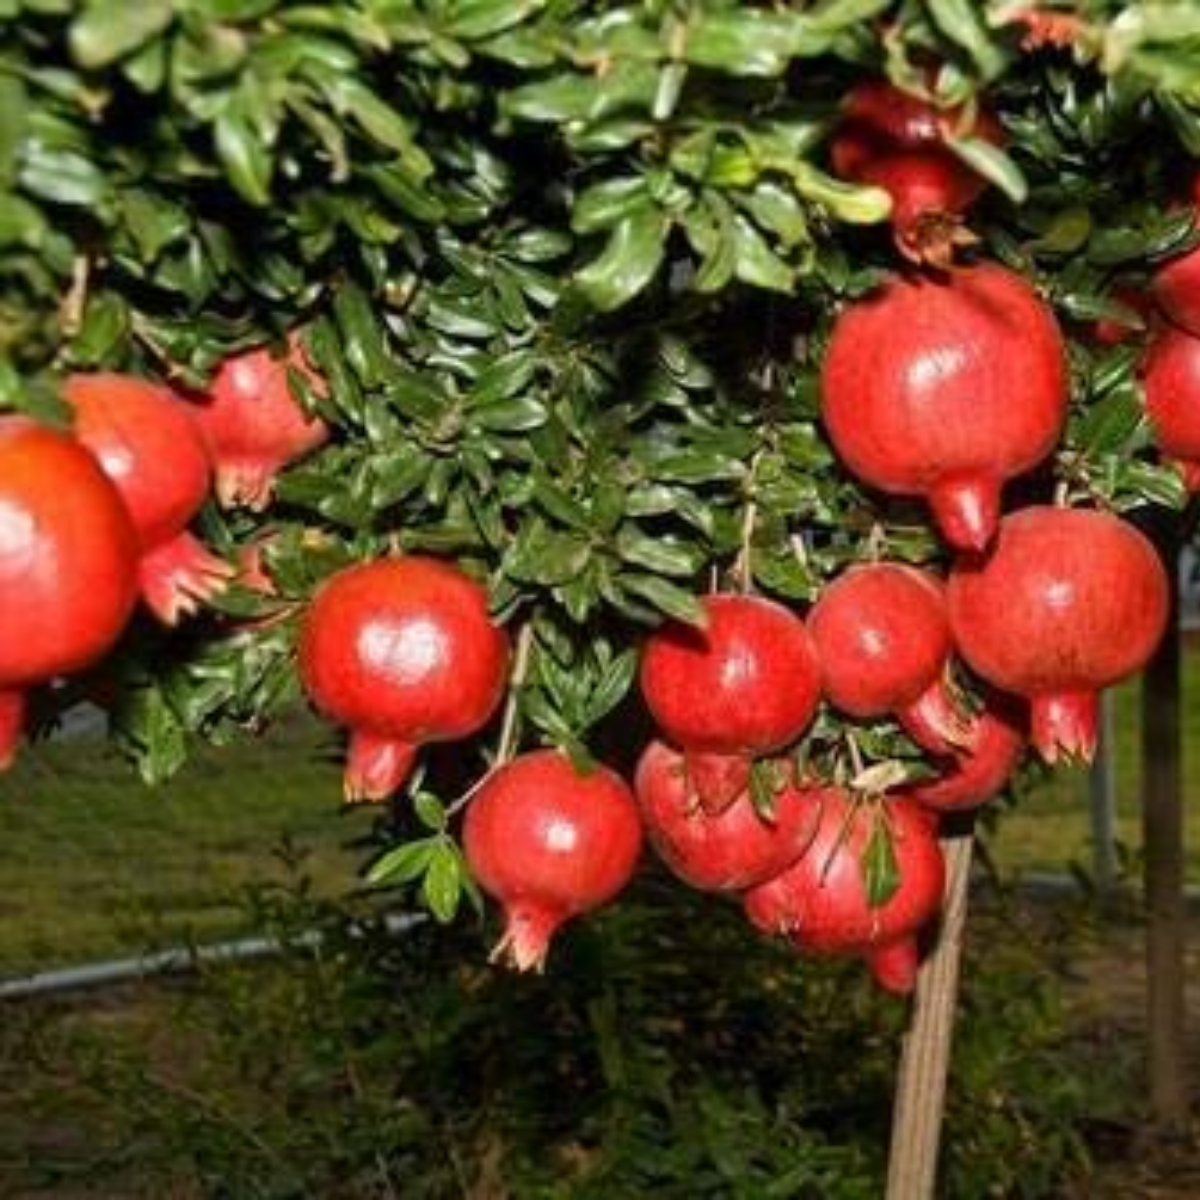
x=975 y=775
x=883 y=641
x=255 y=426
x=1068 y=602
x=148 y=445
x=403 y=651
x=1171 y=374
x=549 y=843
x=68 y=564
x=1176 y=286
x=728 y=851
x=822 y=902
x=898 y=142
x=945 y=387
x=747 y=684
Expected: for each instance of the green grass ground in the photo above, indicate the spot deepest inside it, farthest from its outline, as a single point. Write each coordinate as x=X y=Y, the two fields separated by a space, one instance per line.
x=94 y=864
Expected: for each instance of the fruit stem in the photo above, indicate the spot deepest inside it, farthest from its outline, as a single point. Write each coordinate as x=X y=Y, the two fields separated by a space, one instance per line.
x=12 y=723
x=506 y=743
x=744 y=568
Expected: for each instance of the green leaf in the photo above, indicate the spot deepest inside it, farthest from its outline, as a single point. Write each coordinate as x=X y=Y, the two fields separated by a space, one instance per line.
x=442 y=887
x=663 y=556
x=403 y=864
x=669 y=599
x=755 y=262
x=604 y=204
x=880 y=871
x=107 y=30
x=962 y=22
x=244 y=156
x=994 y=164
x=629 y=261
x=475 y=19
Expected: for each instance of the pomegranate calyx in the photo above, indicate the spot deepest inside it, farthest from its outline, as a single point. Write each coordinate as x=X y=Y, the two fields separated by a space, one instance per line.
x=12 y=724
x=1064 y=726
x=932 y=238
x=245 y=483
x=376 y=766
x=936 y=721
x=895 y=966
x=177 y=576
x=528 y=931
x=967 y=510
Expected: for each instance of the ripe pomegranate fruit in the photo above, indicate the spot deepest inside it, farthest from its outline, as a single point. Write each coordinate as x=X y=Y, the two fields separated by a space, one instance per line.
x=403 y=652
x=1171 y=374
x=549 y=843
x=1068 y=602
x=822 y=902
x=255 y=426
x=1176 y=286
x=898 y=142
x=747 y=684
x=944 y=387
x=727 y=851
x=68 y=564
x=883 y=641
x=972 y=776
x=146 y=441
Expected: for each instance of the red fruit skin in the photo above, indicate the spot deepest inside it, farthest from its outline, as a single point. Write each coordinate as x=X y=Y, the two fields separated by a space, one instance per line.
x=1171 y=375
x=68 y=556
x=746 y=684
x=902 y=121
x=12 y=725
x=549 y=843
x=728 y=851
x=716 y=780
x=944 y=387
x=882 y=637
x=403 y=652
x=1068 y=602
x=255 y=426
x=148 y=444
x=973 y=776
x=1176 y=290
x=821 y=903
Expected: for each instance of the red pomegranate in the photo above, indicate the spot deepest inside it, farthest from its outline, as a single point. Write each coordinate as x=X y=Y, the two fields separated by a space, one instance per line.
x=68 y=564
x=727 y=851
x=255 y=426
x=1068 y=602
x=898 y=142
x=883 y=641
x=746 y=684
x=1176 y=286
x=144 y=437
x=822 y=902
x=944 y=387
x=549 y=843
x=403 y=652
x=1171 y=374
x=973 y=776
x=12 y=725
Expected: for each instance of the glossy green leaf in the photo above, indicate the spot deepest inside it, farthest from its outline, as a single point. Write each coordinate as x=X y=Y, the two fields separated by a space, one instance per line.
x=109 y=29
x=628 y=263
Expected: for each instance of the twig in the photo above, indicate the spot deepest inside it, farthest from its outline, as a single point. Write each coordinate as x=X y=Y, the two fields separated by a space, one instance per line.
x=74 y=303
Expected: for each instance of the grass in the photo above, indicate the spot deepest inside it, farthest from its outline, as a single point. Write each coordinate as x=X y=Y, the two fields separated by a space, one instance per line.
x=95 y=865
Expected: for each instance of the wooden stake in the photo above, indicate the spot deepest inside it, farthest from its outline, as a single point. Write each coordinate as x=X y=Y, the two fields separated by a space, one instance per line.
x=921 y=1086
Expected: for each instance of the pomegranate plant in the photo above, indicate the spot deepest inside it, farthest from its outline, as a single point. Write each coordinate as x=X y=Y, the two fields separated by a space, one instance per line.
x=146 y=440
x=616 y=385
x=1171 y=374
x=549 y=842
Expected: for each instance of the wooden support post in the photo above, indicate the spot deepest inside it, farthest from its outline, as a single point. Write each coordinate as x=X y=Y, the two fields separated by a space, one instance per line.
x=921 y=1085
x=1162 y=834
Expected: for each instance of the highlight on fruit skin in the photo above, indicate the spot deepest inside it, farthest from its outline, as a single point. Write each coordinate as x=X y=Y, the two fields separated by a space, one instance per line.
x=403 y=652
x=1069 y=601
x=945 y=387
x=549 y=842
x=730 y=850
x=146 y=440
